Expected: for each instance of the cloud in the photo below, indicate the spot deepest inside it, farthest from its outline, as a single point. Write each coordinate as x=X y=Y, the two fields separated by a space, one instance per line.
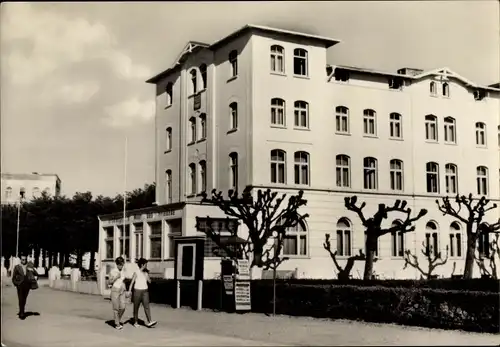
x=78 y=93
x=125 y=113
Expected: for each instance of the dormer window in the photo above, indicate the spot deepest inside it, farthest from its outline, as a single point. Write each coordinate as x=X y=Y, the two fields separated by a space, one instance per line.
x=395 y=83
x=341 y=75
x=194 y=81
x=432 y=88
x=479 y=95
x=446 y=89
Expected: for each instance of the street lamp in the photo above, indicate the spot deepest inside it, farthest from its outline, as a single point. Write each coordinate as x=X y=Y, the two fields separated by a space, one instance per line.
x=21 y=197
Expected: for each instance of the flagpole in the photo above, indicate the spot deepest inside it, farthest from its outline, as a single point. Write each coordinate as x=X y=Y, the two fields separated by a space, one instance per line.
x=125 y=194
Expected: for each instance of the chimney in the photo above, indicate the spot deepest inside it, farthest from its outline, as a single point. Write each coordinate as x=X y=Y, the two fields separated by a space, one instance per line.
x=410 y=71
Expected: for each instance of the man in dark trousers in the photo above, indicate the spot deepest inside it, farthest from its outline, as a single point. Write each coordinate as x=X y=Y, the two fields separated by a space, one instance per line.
x=23 y=277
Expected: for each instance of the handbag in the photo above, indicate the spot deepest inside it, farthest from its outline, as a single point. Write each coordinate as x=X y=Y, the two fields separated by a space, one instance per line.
x=32 y=280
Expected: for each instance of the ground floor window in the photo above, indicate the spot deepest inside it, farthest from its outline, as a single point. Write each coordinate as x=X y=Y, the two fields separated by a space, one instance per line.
x=155 y=240
x=109 y=242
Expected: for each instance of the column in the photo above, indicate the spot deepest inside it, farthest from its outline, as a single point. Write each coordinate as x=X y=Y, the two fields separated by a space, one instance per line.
x=133 y=241
x=116 y=241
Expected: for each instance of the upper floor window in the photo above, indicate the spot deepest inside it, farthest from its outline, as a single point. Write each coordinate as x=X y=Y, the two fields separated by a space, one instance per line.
x=192 y=129
x=203 y=126
x=451 y=178
x=203 y=73
x=300 y=62
x=343 y=170
x=233 y=112
x=446 y=89
x=449 y=130
x=342 y=119
x=278 y=166
x=169 y=91
x=301 y=114
x=431 y=238
x=233 y=170
x=433 y=88
x=431 y=128
x=194 y=81
x=480 y=134
x=344 y=234
x=370 y=173
x=8 y=193
x=277 y=59
x=396 y=171
x=301 y=168
x=483 y=245
x=192 y=179
x=482 y=180
x=168 y=186
x=36 y=192
x=498 y=136
x=203 y=175
x=455 y=240
x=369 y=122
x=168 y=139
x=395 y=126
x=278 y=112
x=432 y=172
x=233 y=60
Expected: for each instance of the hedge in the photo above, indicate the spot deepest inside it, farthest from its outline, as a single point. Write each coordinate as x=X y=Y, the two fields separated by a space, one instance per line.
x=426 y=307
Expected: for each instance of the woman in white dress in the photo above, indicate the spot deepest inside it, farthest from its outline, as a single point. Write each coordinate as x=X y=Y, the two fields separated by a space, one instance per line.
x=139 y=283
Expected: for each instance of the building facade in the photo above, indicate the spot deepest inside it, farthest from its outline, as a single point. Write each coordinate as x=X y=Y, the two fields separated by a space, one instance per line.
x=33 y=185
x=262 y=108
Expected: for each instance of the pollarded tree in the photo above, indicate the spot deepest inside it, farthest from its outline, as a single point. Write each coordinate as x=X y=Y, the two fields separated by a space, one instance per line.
x=265 y=219
x=475 y=211
x=373 y=226
x=433 y=257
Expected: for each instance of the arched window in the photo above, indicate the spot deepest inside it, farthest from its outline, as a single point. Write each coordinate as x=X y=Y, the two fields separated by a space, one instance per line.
x=369 y=122
x=482 y=180
x=396 y=173
x=169 y=92
x=395 y=126
x=300 y=62
x=301 y=168
x=432 y=172
x=233 y=113
x=301 y=114
x=431 y=133
x=344 y=234
x=233 y=170
x=277 y=59
x=483 y=245
x=295 y=240
x=398 y=240
x=451 y=178
x=455 y=240
x=370 y=173
x=278 y=111
x=203 y=126
x=233 y=61
x=203 y=175
x=192 y=129
x=168 y=140
x=8 y=193
x=446 y=89
x=168 y=186
x=342 y=119
x=192 y=179
x=194 y=81
x=278 y=166
x=431 y=238
x=433 y=88
x=480 y=134
x=343 y=171
x=203 y=73
x=449 y=130
x=36 y=192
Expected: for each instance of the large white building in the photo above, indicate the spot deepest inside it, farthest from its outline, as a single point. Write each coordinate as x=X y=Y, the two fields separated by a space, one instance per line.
x=33 y=185
x=261 y=107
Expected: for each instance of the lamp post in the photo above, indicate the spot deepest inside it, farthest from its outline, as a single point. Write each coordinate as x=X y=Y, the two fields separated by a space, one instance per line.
x=21 y=197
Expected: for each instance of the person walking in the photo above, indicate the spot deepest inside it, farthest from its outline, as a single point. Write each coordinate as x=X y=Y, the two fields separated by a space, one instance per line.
x=24 y=278
x=118 y=291
x=139 y=283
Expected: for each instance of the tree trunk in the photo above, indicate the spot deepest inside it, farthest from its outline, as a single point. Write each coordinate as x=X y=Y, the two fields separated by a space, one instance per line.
x=371 y=244
x=469 y=257
x=92 y=261
x=44 y=258
x=79 y=259
x=37 y=257
x=51 y=259
x=61 y=261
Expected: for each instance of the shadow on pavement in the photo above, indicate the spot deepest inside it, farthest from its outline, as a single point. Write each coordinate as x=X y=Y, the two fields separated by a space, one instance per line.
x=130 y=321
x=29 y=314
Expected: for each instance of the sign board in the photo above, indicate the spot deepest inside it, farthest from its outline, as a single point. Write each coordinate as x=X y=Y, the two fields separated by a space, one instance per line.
x=242 y=295
x=243 y=269
x=228 y=284
x=197 y=102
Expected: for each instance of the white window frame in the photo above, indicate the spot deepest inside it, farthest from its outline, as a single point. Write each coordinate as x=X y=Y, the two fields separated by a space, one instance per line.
x=233 y=171
x=431 y=128
x=169 y=91
x=277 y=59
x=233 y=116
x=301 y=114
x=482 y=180
x=395 y=125
x=432 y=234
x=481 y=134
x=446 y=90
x=368 y=171
x=342 y=120
x=233 y=62
x=139 y=240
x=451 y=178
x=369 y=123
x=278 y=107
x=299 y=166
x=398 y=240
x=432 y=175
x=192 y=130
x=396 y=174
x=169 y=139
x=456 y=250
x=276 y=164
x=203 y=126
x=300 y=54
x=344 y=230
x=168 y=185
x=203 y=74
x=300 y=233
x=203 y=175
x=155 y=237
x=433 y=88
x=450 y=130
x=343 y=170
x=192 y=179
x=194 y=81
x=109 y=239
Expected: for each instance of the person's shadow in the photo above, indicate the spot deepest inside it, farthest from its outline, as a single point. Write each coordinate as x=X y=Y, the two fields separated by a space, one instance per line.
x=29 y=314
x=130 y=321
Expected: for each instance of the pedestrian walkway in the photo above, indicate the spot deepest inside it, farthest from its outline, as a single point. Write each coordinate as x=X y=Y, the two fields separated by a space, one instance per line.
x=78 y=320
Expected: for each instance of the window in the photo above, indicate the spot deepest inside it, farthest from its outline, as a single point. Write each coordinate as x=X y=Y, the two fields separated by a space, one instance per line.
x=451 y=179
x=300 y=62
x=301 y=114
x=36 y=192
x=455 y=240
x=431 y=128
x=8 y=193
x=498 y=136
x=277 y=59
x=482 y=180
x=295 y=241
x=341 y=75
x=398 y=241
x=192 y=179
x=192 y=129
x=155 y=240
x=109 y=242
x=203 y=176
x=480 y=134
x=138 y=240
x=433 y=89
x=301 y=168
x=233 y=111
x=446 y=89
x=369 y=124
x=395 y=126
x=278 y=112
x=219 y=225
x=174 y=230
x=344 y=238
x=370 y=173
x=431 y=238
x=203 y=126
x=203 y=73
x=194 y=82
x=343 y=168
x=169 y=92
x=483 y=245
x=233 y=61
x=342 y=119
x=168 y=186
x=169 y=139
x=432 y=171
x=233 y=168
x=124 y=241
x=396 y=173
x=449 y=130
x=278 y=164
x=376 y=247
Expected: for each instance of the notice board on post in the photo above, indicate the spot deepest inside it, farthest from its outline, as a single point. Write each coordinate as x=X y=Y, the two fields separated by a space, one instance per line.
x=242 y=295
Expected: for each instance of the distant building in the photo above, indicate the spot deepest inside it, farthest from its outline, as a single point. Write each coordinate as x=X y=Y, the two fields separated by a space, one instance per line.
x=33 y=185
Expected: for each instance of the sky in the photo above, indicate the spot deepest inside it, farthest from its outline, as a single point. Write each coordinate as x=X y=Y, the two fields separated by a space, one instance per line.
x=73 y=74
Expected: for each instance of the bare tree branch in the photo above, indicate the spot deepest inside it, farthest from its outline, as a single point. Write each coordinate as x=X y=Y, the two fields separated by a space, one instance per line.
x=434 y=259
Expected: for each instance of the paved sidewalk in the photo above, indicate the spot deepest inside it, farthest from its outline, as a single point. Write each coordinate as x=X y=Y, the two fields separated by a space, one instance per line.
x=78 y=320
